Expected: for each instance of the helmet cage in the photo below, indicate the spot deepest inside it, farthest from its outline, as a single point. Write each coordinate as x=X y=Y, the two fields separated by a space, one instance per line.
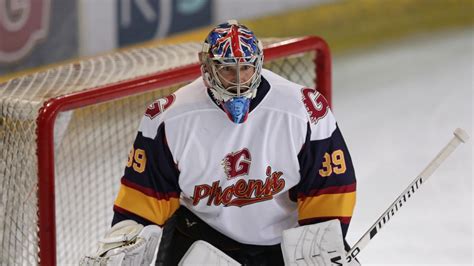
x=236 y=87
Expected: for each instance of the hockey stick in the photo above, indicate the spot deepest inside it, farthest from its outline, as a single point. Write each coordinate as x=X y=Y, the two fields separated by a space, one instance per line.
x=459 y=136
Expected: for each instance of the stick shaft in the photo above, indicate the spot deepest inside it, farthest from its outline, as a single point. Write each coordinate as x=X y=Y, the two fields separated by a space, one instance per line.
x=404 y=196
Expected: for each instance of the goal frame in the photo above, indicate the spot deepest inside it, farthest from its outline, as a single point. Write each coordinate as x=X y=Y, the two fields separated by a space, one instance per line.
x=52 y=107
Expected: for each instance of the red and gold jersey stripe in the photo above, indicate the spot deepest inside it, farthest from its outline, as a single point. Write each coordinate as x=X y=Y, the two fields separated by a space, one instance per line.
x=329 y=202
x=156 y=209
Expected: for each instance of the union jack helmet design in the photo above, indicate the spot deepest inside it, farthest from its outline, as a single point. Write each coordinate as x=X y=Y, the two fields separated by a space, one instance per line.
x=231 y=45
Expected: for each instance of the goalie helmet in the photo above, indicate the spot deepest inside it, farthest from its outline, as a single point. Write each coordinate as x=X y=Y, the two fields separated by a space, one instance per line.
x=231 y=64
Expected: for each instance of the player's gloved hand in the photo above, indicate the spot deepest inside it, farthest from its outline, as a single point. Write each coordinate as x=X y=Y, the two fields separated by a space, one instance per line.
x=126 y=243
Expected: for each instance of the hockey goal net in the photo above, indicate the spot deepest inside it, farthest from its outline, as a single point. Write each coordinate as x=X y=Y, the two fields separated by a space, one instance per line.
x=65 y=135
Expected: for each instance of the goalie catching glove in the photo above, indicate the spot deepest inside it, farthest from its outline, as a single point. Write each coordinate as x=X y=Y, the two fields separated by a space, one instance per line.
x=126 y=243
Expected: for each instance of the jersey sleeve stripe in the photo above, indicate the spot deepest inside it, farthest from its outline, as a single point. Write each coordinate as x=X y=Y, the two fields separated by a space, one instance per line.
x=342 y=219
x=150 y=208
x=122 y=214
x=148 y=191
x=328 y=190
x=341 y=204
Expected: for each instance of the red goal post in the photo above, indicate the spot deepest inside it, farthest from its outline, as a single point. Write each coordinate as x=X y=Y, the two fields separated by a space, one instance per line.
x=63 y=158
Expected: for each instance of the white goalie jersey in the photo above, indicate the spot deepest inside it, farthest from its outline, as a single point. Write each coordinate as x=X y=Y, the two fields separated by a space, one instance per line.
x=286 y=165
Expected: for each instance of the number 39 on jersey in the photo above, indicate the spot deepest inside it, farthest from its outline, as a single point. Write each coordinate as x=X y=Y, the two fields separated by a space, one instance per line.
x=333 y=163
x=137 y=160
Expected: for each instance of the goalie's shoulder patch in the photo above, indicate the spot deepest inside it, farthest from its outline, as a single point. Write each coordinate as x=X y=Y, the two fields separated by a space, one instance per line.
x=315 y=103
x=159 y=106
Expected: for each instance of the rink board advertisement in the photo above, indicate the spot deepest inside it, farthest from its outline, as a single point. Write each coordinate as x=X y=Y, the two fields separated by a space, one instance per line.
x=43 y=32
x=139 y=21
x=36 y=33
x=107 y=25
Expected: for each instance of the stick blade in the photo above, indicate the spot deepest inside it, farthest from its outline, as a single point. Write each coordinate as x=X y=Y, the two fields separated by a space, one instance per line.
x=461 y=134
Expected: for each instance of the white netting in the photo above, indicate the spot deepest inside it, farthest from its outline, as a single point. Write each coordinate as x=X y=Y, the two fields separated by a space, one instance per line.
x=91 y=145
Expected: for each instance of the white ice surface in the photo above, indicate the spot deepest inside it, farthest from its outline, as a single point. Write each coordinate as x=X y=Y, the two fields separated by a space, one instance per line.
x=397 y=106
